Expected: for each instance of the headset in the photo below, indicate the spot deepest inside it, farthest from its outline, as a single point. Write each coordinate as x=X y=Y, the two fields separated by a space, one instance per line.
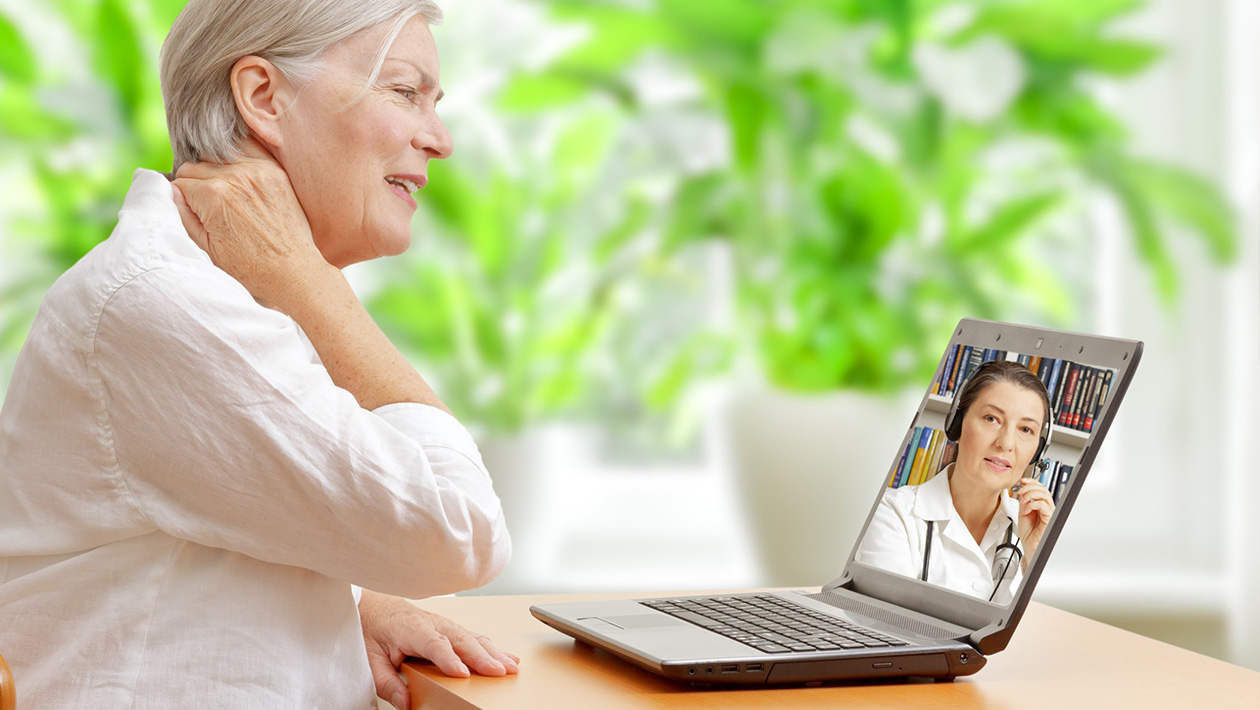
x=953 y=430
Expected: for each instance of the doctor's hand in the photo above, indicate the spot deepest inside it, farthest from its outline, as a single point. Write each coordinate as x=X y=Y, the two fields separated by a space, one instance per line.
x=394 y=628
x=1035 y=507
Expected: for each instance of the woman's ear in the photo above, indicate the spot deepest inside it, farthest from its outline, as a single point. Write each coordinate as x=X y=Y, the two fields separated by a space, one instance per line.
x=262 y=95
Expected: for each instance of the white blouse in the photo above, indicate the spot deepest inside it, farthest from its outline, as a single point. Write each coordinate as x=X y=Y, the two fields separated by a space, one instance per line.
x=186 y=498
x=896 y=541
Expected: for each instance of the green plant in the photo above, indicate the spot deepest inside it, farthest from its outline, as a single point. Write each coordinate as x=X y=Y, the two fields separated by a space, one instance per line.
x=519 y=297
x=76 y=132
x=505 y=305
x=507 y=296
x=856 y=199
x=859 y=201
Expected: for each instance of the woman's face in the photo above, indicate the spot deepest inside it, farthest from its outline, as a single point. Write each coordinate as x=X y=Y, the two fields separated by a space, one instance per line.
x=354 y=165
x=1000 y=434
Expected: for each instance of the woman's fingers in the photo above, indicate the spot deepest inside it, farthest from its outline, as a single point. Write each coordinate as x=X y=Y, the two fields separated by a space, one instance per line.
x=246 y=216
x=1030 y=489
x=505 y=659
x=477 y=657
x=385 y=676
x=459 y=652
x=1034 y=504
x=198 y=171
x=192 y=224
x=439 y=650
x=474 y=651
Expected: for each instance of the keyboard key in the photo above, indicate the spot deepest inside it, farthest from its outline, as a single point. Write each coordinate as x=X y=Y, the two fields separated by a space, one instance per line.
x=696 y=619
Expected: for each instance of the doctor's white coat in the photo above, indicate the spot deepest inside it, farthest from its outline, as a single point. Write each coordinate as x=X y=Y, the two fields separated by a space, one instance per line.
x=896 y=540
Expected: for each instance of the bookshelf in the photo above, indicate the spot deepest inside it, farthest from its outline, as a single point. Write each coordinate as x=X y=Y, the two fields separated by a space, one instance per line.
x=1078 y=391
x=1078 y=395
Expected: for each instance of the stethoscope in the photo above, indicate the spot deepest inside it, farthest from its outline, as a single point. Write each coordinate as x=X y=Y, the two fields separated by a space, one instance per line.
x=1006 y=545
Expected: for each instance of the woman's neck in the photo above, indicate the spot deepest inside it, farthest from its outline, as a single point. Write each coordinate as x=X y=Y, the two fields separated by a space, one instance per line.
x=976 y=506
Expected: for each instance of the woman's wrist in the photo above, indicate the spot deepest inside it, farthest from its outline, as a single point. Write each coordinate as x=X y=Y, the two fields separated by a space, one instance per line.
x=317 y=285
x=354 y=351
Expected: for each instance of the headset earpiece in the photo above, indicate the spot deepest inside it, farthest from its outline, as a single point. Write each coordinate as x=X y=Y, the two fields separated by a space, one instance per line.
x=1044 y=440
x=953 y=423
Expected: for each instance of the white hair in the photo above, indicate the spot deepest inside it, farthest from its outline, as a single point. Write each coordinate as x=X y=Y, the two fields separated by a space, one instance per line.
x=209 y=36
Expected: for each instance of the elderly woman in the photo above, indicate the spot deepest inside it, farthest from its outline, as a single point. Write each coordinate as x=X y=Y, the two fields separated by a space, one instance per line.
x=963 y=529
x=207 y=442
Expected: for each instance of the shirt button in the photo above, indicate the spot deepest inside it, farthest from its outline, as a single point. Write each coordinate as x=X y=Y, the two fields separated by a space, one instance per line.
x=979 y=586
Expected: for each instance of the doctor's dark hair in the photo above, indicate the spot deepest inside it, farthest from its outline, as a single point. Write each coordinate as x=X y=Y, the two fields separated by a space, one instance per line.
x=991 y=373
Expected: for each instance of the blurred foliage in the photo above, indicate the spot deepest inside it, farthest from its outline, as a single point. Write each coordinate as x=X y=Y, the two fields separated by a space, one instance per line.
x=507 y=342
x=853 y=157
x=859 y=198
x=78 y=138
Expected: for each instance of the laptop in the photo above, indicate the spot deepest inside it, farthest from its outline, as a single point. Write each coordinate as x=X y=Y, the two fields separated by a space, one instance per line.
x=905 y=608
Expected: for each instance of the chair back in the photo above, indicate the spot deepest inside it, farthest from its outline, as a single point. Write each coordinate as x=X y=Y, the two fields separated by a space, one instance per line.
x=8 y=696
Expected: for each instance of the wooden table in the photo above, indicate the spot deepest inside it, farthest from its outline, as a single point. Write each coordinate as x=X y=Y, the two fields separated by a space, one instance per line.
x=1055 y=660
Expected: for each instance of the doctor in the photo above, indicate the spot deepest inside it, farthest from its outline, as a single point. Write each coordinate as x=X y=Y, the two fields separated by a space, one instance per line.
x=962 y=529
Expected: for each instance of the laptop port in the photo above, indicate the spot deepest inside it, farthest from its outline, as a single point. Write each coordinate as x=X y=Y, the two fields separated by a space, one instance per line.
x=730 y=669
x=752 y=668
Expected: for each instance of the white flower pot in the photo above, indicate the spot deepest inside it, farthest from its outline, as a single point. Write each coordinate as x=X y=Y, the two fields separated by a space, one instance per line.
x=529 y=469
x=808 y=468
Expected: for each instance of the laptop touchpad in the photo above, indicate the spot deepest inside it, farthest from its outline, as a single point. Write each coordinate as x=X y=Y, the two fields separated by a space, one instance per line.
x=642 y=621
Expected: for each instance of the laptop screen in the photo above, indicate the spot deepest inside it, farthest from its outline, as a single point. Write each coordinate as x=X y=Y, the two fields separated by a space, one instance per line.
x=985 y=469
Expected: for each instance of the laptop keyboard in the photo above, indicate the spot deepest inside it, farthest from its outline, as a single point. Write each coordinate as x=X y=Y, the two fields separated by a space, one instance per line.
x=770 y=624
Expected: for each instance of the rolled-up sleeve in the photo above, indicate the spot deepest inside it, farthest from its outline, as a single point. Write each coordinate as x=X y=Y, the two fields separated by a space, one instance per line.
x=227 y=433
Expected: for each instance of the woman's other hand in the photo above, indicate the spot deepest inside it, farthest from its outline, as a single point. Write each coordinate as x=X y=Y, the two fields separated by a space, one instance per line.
x=247 y=218
x=394 y=628
x=1035 y=507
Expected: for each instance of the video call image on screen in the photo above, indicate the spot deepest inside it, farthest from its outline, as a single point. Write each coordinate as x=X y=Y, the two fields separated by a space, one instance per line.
x=973 y=488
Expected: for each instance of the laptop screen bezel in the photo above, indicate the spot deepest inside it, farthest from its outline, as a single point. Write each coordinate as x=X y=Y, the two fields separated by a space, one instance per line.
x=988 y=620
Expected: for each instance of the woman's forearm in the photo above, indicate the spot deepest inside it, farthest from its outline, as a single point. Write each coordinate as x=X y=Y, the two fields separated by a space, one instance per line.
x=357 y=355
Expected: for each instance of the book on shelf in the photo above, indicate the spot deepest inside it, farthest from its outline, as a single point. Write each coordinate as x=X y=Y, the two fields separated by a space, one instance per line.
x=942 y=381
x=1055 y=475
x=1065 y=394
x=920 y=454
x=926 y=452
x=1099 y=400
x=932 y=457
x=1061 y=484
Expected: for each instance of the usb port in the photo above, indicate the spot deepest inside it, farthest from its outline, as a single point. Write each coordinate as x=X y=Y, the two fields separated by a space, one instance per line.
x=730 y=669
x=752 y=668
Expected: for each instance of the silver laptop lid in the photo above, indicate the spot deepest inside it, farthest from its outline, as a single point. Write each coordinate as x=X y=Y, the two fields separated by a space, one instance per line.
x=913 y=531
